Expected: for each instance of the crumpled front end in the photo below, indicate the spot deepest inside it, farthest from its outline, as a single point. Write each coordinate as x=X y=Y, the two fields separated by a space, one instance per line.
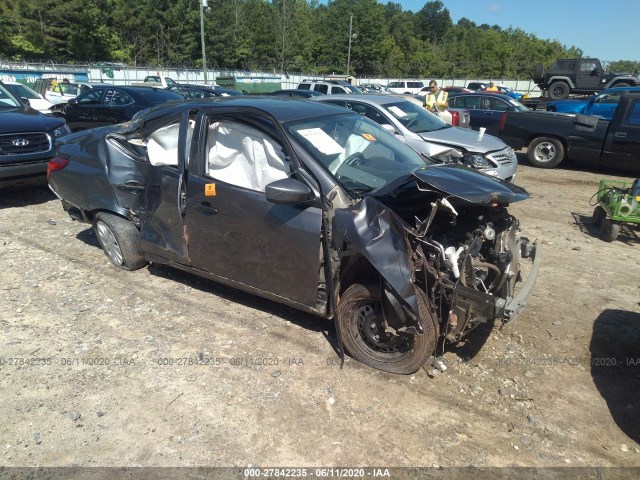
x=464 y=251
x=470 y=263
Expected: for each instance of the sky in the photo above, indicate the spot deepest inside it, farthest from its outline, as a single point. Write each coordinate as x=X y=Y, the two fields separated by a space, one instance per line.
x=607 y=30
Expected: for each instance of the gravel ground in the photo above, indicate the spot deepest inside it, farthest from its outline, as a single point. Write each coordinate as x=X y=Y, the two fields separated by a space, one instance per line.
x=101 y=367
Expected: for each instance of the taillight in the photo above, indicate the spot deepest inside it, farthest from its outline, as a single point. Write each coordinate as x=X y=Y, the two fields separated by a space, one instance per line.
x=503 y=119
x=455 y=119
x=56 y=163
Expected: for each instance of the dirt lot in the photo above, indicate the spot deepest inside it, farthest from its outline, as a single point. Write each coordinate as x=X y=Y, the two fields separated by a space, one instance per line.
x=102 y=367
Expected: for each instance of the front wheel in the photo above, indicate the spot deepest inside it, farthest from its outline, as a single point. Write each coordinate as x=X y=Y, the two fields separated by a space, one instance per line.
x=367 y=340
x=609 y=230
x=545 y=152
x=120 y=240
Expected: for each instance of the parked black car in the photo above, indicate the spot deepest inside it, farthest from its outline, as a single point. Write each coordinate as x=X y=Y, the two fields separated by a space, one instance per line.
x=310 y=205
x=295 y=93
x=27 y=140
x=485 y=109
x=188 y=90
x=110 y=104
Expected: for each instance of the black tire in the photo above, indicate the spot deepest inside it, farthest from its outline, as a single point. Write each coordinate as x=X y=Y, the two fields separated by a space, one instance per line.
x=558 y=90
x=538 y=73
x=359 y=312
x=609 y=230
x=545 y=152
x=598 y=216
x=120 y=241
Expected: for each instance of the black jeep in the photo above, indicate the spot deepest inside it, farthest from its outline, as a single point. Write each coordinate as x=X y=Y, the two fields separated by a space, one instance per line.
x=578 y=75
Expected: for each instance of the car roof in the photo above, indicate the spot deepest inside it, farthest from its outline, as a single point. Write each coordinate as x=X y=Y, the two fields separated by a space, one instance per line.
x=372 y=99
x=484 y=94
x=282 y=109
x=296 y=90
x=195 y=86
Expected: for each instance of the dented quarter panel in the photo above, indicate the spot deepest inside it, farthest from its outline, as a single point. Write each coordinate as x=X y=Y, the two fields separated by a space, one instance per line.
x=86 y=150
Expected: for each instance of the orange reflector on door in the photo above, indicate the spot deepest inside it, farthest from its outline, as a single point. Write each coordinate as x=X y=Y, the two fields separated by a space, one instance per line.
x=210 y=190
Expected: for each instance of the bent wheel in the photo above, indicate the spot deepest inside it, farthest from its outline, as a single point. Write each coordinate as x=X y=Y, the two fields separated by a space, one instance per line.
x=364 y=336
x=544 y=152
x=120 y=240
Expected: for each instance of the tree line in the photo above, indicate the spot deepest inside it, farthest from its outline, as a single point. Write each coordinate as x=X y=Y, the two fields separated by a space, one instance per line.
x=278 y=36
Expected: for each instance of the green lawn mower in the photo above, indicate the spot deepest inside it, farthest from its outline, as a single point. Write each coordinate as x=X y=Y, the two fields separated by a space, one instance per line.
x=618 y=203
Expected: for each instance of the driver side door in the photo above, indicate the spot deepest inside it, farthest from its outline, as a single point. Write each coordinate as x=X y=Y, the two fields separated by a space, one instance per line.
x=233 y=231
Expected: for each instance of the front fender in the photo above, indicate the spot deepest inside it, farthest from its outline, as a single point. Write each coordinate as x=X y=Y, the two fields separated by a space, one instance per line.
x=372 y=230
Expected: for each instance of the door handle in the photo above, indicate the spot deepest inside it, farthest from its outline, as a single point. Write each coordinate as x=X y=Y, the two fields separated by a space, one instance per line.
x=620 y=134
x=131 y=186
x=205 y=208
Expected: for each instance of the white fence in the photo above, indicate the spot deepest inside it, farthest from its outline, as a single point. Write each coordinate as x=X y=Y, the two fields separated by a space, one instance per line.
x=125 y=76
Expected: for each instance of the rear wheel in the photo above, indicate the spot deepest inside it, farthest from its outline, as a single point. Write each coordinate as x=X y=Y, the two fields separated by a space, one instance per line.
x=598 y=216
x=558 y=90
x=120 y=240
x=609 y=230
x=364 y=336
x=544 y=152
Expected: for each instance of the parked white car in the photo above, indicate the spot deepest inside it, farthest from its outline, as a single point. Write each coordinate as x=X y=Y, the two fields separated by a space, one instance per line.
x=406 y=86
x=36 y=101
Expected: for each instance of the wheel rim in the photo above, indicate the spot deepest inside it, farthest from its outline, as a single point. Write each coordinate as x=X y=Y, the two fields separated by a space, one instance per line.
x=370 y=322
x=109 y=243
x=545 y=152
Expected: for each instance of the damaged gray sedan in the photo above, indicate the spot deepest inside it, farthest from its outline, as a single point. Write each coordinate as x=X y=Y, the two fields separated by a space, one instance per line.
x=310 y=205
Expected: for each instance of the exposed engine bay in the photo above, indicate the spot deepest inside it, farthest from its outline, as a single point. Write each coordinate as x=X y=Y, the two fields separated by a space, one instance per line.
x=468 y=263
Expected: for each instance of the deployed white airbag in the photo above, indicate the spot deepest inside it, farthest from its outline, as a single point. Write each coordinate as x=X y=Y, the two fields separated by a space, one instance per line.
x=243 y=156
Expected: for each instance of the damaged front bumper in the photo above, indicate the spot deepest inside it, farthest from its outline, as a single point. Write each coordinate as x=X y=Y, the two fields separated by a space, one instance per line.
x=508 y=309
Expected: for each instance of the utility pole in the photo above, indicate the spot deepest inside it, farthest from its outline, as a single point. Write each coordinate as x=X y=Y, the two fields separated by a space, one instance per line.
x=349 y=51
x=203 y=4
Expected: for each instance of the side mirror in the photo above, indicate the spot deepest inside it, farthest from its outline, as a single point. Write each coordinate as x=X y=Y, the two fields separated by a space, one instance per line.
x=72 y=101
x=388 y=128
x=288 y=191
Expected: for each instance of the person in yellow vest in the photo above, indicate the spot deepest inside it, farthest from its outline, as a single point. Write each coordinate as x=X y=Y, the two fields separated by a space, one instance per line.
x=436 y=100
x=492 y=88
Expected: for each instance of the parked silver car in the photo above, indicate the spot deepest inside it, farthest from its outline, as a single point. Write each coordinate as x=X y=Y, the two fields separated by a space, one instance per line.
x=429 y=135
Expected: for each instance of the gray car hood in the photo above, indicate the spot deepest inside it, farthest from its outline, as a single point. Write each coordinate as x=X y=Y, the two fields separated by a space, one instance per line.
x=465 y=138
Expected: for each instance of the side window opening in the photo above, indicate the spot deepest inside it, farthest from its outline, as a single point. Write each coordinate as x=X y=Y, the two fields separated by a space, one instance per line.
x=242 y=155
